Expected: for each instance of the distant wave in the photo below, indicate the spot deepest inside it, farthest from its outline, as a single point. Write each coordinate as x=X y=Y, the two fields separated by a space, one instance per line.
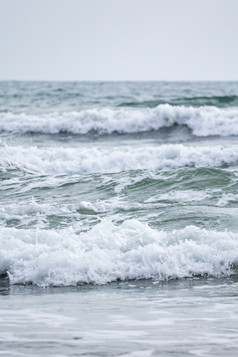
x=217 y=101
x=97 y=160
x=110 y=252
x=202 y=121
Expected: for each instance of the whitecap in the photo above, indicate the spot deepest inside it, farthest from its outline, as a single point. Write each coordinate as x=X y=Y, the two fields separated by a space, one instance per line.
x=108 y=252
x=202 y=121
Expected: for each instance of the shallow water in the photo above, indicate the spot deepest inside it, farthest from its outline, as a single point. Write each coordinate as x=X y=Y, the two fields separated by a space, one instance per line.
x=194 y=317
x=118 y=218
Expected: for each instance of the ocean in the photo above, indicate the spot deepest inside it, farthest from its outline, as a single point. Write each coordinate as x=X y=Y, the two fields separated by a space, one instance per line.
x=118 y=218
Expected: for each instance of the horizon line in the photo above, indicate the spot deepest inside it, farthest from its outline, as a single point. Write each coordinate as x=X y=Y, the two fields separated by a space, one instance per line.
x=119 y=80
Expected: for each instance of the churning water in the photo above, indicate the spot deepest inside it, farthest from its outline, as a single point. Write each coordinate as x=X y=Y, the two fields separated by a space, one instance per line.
x=118 y=218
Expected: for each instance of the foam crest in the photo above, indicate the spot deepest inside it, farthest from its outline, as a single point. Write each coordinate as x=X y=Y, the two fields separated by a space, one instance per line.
x=101 y=160
x=203 y=121
x=109 y=252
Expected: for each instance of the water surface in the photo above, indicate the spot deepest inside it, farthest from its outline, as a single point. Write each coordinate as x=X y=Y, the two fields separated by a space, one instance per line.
x=118 y=218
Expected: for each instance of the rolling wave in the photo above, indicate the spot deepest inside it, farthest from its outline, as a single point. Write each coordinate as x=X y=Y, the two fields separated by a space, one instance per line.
x=110 y=252
x=97 y=160
x=202 y=121
x=217 y=101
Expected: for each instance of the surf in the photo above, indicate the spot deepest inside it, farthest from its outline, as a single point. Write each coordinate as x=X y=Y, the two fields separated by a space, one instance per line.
x=202 y=121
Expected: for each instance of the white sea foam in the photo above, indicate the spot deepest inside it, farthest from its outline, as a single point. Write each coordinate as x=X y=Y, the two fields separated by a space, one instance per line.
x=180 y=196
x=202 y=121
x=109 y=252
x=32 y=211
x=227 y=198
x=101 y=160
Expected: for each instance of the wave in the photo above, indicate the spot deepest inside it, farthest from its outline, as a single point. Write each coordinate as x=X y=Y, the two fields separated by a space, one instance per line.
x=202 y=121
x=110 y=252
x=58 y=161
x=217 y=101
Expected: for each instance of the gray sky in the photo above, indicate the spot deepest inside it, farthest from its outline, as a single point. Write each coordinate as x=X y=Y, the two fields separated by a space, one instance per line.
x=119 y=39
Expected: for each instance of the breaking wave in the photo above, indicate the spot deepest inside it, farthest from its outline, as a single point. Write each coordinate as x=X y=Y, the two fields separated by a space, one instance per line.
x=110 y=252
x=100 y=160
x=202 y=121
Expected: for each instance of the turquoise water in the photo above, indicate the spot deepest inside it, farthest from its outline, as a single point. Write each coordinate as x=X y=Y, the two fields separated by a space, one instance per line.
x=118 y=218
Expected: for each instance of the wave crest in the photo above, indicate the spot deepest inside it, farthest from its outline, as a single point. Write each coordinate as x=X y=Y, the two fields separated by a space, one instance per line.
x=109 y=252
x=202 y=121
x=97 y=160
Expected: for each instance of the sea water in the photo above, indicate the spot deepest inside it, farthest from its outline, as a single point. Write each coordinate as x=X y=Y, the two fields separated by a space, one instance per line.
x=118 y=219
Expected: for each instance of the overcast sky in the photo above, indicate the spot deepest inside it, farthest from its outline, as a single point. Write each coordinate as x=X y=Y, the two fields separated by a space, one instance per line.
x=119 y=39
